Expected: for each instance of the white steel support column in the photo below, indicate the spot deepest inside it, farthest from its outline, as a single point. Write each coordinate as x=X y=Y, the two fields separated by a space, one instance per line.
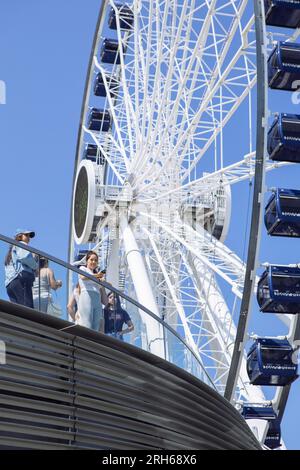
x=143 y=288
x=112 y=273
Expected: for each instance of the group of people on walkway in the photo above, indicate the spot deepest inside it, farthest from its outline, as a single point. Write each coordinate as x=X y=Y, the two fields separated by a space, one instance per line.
x=29 y=281
x=28 y=278
x=85 y=304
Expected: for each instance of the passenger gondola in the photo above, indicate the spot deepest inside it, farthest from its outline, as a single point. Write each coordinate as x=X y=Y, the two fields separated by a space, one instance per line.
x=93 y=153
x=282 y=213
x=283 y=13
x=126 y=17
x=284 y=138
x=110 y=53
x=271 y=362
x=278 y=290
x=284 y=66
x=259 y=412
x=99 y=87
x=273 y=437
x=99 y=120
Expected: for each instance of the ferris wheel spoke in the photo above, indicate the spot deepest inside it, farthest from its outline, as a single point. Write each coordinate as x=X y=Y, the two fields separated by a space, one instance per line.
x=207 y=317
x=164 y=102
x=222 y=40
x=223 y=328
x=213 y=253
x=240 y=89
x=107 y=156
x=235 y=173
x=206 y=128
x=209 y=127
x=176 y=301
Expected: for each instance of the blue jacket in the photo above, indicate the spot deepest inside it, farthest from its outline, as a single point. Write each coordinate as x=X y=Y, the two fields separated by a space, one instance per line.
x=22 y=260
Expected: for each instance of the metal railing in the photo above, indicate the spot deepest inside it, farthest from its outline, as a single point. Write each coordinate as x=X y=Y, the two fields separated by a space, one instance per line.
x=150 y=332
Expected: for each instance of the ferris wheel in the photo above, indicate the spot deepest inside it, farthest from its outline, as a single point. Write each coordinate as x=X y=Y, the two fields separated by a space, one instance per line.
x=166 y=146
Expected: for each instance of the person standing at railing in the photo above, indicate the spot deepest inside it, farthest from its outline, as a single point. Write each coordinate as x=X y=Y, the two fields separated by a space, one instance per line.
x=20 y=266
x=115 y=317
x=91 y=294
x=43 y=283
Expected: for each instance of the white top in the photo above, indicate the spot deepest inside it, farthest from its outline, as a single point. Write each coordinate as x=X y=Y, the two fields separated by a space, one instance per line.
x=85 y=284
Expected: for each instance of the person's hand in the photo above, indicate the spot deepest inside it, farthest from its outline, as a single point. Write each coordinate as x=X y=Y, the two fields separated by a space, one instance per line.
x=77 y=317
x=59 y=283
x=100 y=276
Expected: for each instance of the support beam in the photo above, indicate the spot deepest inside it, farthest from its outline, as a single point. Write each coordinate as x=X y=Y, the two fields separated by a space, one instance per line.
x=143 y=288
x=112 y=273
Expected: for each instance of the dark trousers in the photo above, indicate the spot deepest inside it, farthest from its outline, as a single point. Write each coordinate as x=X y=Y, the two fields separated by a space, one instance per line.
x=19 y=290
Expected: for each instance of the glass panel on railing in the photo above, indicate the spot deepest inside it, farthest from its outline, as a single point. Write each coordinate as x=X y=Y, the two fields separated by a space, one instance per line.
x=37 y=282
x=31 y=280
x=180 y=355
x=4 y=271
x=50 y=288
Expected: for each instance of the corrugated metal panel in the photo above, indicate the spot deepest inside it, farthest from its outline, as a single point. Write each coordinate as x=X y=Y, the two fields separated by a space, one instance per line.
x=80 y=389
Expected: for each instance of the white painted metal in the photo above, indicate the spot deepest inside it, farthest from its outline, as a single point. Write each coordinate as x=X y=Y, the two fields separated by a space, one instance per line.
x=113 y=267
x=142 y=287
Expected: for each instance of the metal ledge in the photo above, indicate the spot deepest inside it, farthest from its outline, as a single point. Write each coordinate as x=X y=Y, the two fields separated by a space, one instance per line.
x=79 y=389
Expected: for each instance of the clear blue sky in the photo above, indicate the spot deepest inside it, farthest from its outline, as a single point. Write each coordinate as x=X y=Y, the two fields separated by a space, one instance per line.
x=44 y=52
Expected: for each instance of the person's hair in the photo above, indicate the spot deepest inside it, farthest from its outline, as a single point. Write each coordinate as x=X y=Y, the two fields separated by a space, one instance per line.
x=43 y=262
x=116 y=299
x=8 y=256
x=89 y=254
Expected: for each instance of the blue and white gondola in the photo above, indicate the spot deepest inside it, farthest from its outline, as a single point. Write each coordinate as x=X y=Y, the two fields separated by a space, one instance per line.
x=278 y=290
x=99 y=87
x=93 y=153
x=284 y=67
x=99 y=120
x=271 y=362
x=273 y=437
x=284 y=138
x=282 y=213
x=126 y=17
x=283 y=13
x=110 y=53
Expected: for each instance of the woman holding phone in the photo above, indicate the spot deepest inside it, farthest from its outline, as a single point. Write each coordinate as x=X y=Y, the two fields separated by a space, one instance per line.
x=91 y=294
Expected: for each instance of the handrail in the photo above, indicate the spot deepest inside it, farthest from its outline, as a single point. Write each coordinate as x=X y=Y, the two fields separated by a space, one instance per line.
x=70 y=267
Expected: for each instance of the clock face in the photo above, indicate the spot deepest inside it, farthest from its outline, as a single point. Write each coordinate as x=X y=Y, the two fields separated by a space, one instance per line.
x=81 y=202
